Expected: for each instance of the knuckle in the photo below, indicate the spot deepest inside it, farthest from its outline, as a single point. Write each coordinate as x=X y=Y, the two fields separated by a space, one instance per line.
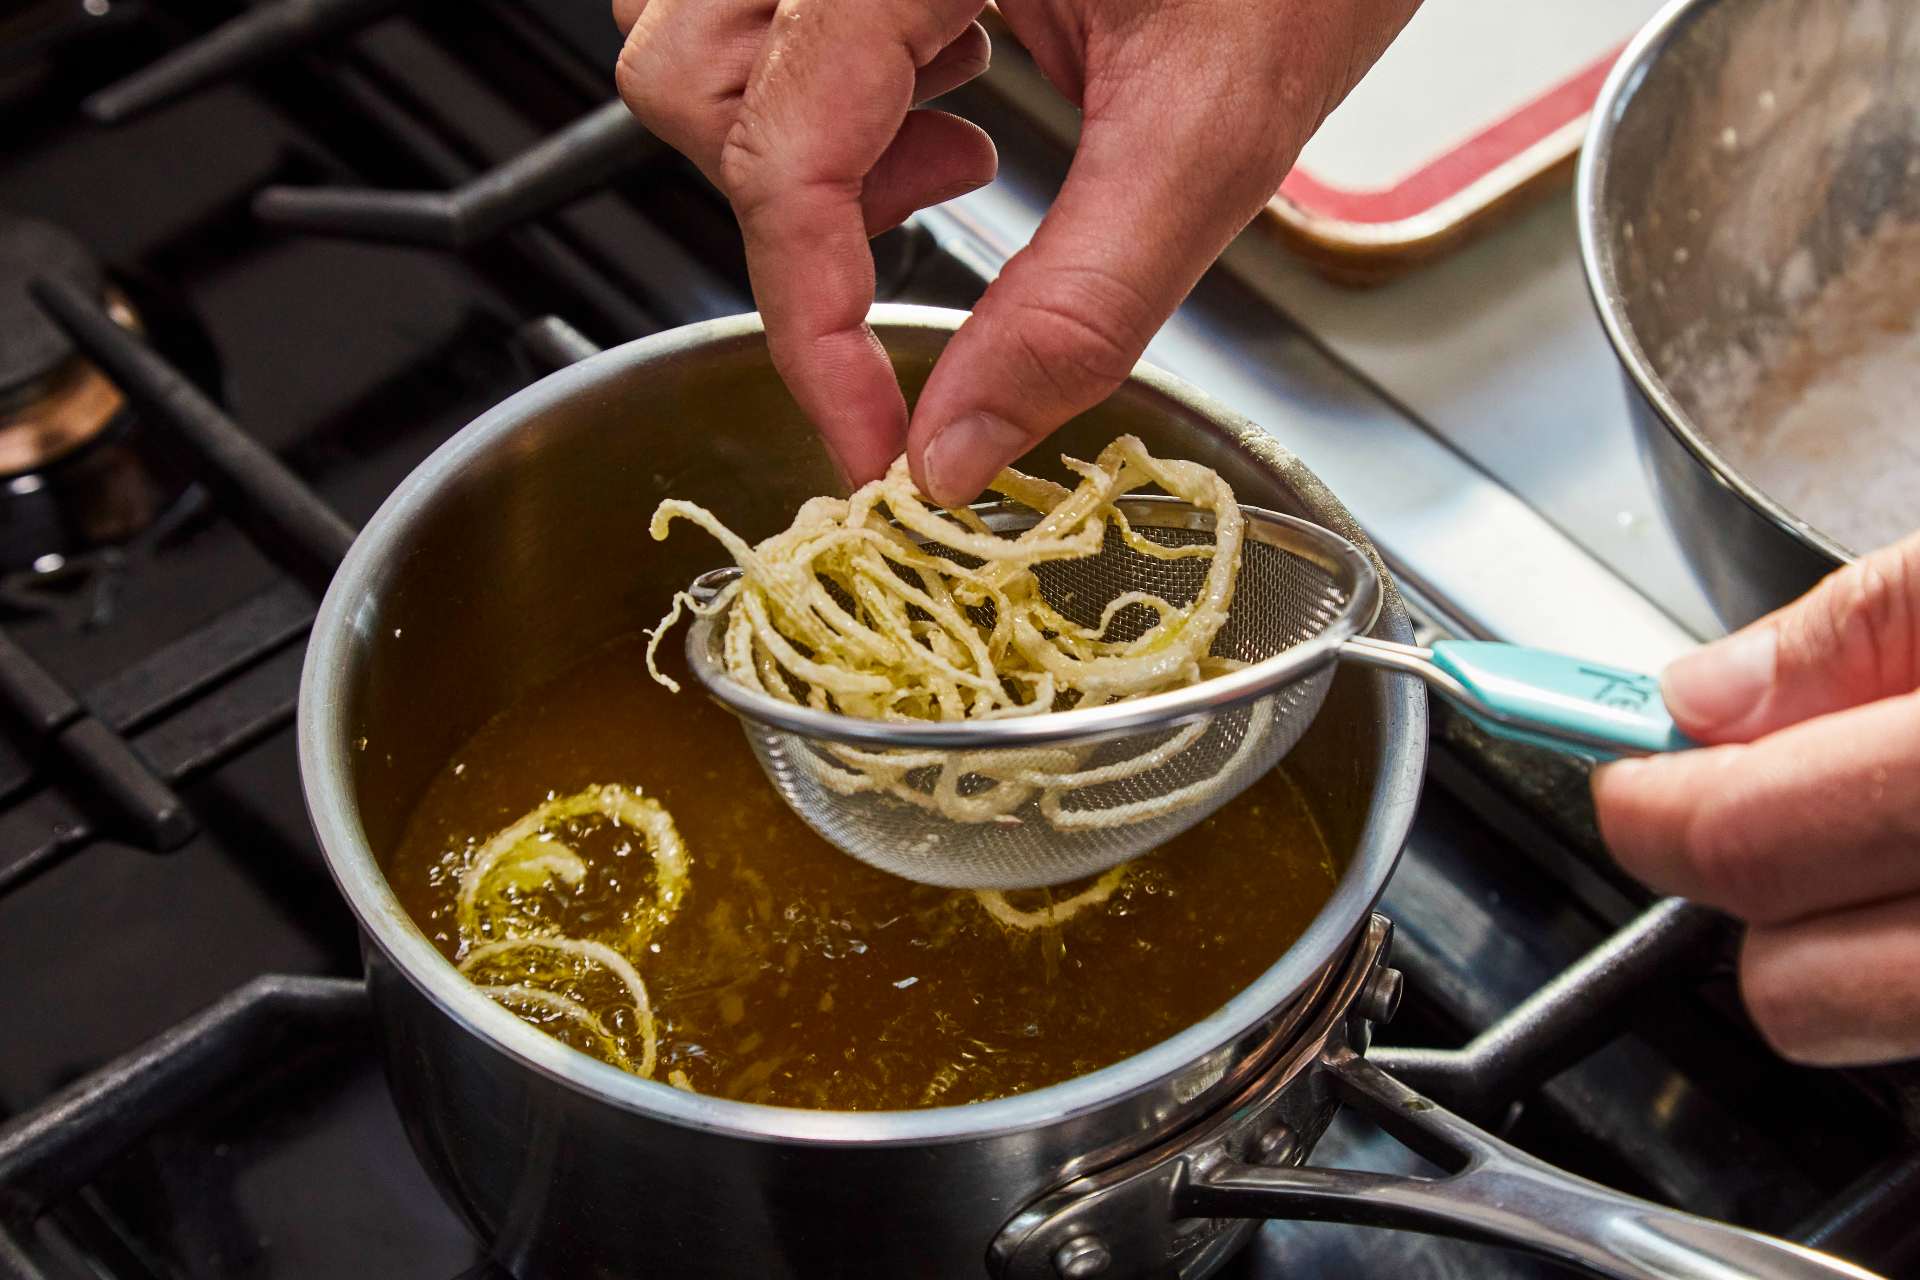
x=627 y=79
x=1731 y=864
x=924 y=31
x=664 y=97
x=1072 y=356
x=748 y=171
x=1867 y=622
x=626 y=13
x=1077 y=336
x=1778 y=1002
x=1884 y=602
x=639 y=89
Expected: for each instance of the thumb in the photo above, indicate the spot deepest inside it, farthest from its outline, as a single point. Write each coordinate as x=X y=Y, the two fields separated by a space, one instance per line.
x=1132 y=230
x=1853 y=639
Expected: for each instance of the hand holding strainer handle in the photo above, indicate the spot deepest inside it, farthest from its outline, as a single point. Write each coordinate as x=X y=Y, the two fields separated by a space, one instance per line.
x=1532 y=696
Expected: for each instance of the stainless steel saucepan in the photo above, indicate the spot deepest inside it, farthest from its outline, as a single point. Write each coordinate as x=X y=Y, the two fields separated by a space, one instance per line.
x=521 y=545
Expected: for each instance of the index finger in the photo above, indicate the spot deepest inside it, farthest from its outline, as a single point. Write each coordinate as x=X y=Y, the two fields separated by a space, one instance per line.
x=1852 y=639
x=1816 y=817
x=833 y=86
x=1157 y=188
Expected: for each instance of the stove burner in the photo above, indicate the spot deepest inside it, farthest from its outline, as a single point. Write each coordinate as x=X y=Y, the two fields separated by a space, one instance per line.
x=77 y=466
x=59 y=412
x=32 y=348
x=51 y=400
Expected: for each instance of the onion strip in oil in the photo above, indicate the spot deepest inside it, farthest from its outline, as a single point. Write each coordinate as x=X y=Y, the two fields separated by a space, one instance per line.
x=1054 y=913
x=580 y=950
x=530 y=851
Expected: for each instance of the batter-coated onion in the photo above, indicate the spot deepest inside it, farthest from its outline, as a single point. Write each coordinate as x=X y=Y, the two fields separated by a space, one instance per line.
x=1054 y=913
x=858 y=608
x=543 y=996
x=526 y=854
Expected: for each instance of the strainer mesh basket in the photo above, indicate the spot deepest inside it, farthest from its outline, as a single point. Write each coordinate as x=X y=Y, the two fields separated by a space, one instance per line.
x=1055 y=804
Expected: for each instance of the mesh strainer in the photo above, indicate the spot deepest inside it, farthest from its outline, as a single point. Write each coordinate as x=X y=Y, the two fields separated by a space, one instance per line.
x=1046 y=799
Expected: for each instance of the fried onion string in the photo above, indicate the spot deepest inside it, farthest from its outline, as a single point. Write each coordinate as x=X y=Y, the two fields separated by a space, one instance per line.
x=884 y=607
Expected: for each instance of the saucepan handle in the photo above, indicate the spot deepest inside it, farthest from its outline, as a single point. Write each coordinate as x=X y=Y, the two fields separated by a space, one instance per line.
x=1494 y=1192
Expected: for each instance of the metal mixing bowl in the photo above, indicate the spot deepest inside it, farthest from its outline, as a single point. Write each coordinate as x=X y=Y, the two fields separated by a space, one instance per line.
x=1737 y=155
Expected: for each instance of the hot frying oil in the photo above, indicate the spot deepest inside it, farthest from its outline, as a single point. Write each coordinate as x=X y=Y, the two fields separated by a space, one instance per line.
x=792 y=974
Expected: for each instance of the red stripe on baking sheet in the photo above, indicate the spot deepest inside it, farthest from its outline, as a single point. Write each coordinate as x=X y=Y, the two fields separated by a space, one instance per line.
x=1449 y=174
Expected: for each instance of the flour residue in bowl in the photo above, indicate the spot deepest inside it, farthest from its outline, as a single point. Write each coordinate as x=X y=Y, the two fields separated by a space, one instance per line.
x=1823 y=418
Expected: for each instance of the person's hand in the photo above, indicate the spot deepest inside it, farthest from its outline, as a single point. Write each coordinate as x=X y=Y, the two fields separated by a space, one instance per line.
x=1806 y=822
x=801 y=112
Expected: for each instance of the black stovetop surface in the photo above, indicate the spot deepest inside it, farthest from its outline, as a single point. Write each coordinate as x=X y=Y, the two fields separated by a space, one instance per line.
x=352 y=361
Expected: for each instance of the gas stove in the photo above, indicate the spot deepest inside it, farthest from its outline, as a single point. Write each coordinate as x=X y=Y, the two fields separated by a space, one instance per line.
x=256 y=263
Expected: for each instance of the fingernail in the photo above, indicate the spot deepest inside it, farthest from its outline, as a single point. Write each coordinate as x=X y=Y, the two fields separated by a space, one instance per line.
x=1717 y=686
x=968 y=452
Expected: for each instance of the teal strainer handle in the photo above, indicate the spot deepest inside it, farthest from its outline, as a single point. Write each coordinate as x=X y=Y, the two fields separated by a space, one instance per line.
x=1532 y=696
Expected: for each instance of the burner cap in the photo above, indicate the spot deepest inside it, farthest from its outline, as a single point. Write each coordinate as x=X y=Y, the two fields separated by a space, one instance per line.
x=31 y=345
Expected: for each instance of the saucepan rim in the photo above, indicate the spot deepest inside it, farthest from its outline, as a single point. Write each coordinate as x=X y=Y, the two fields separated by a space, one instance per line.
x=324 y=748
x=1602 y=275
